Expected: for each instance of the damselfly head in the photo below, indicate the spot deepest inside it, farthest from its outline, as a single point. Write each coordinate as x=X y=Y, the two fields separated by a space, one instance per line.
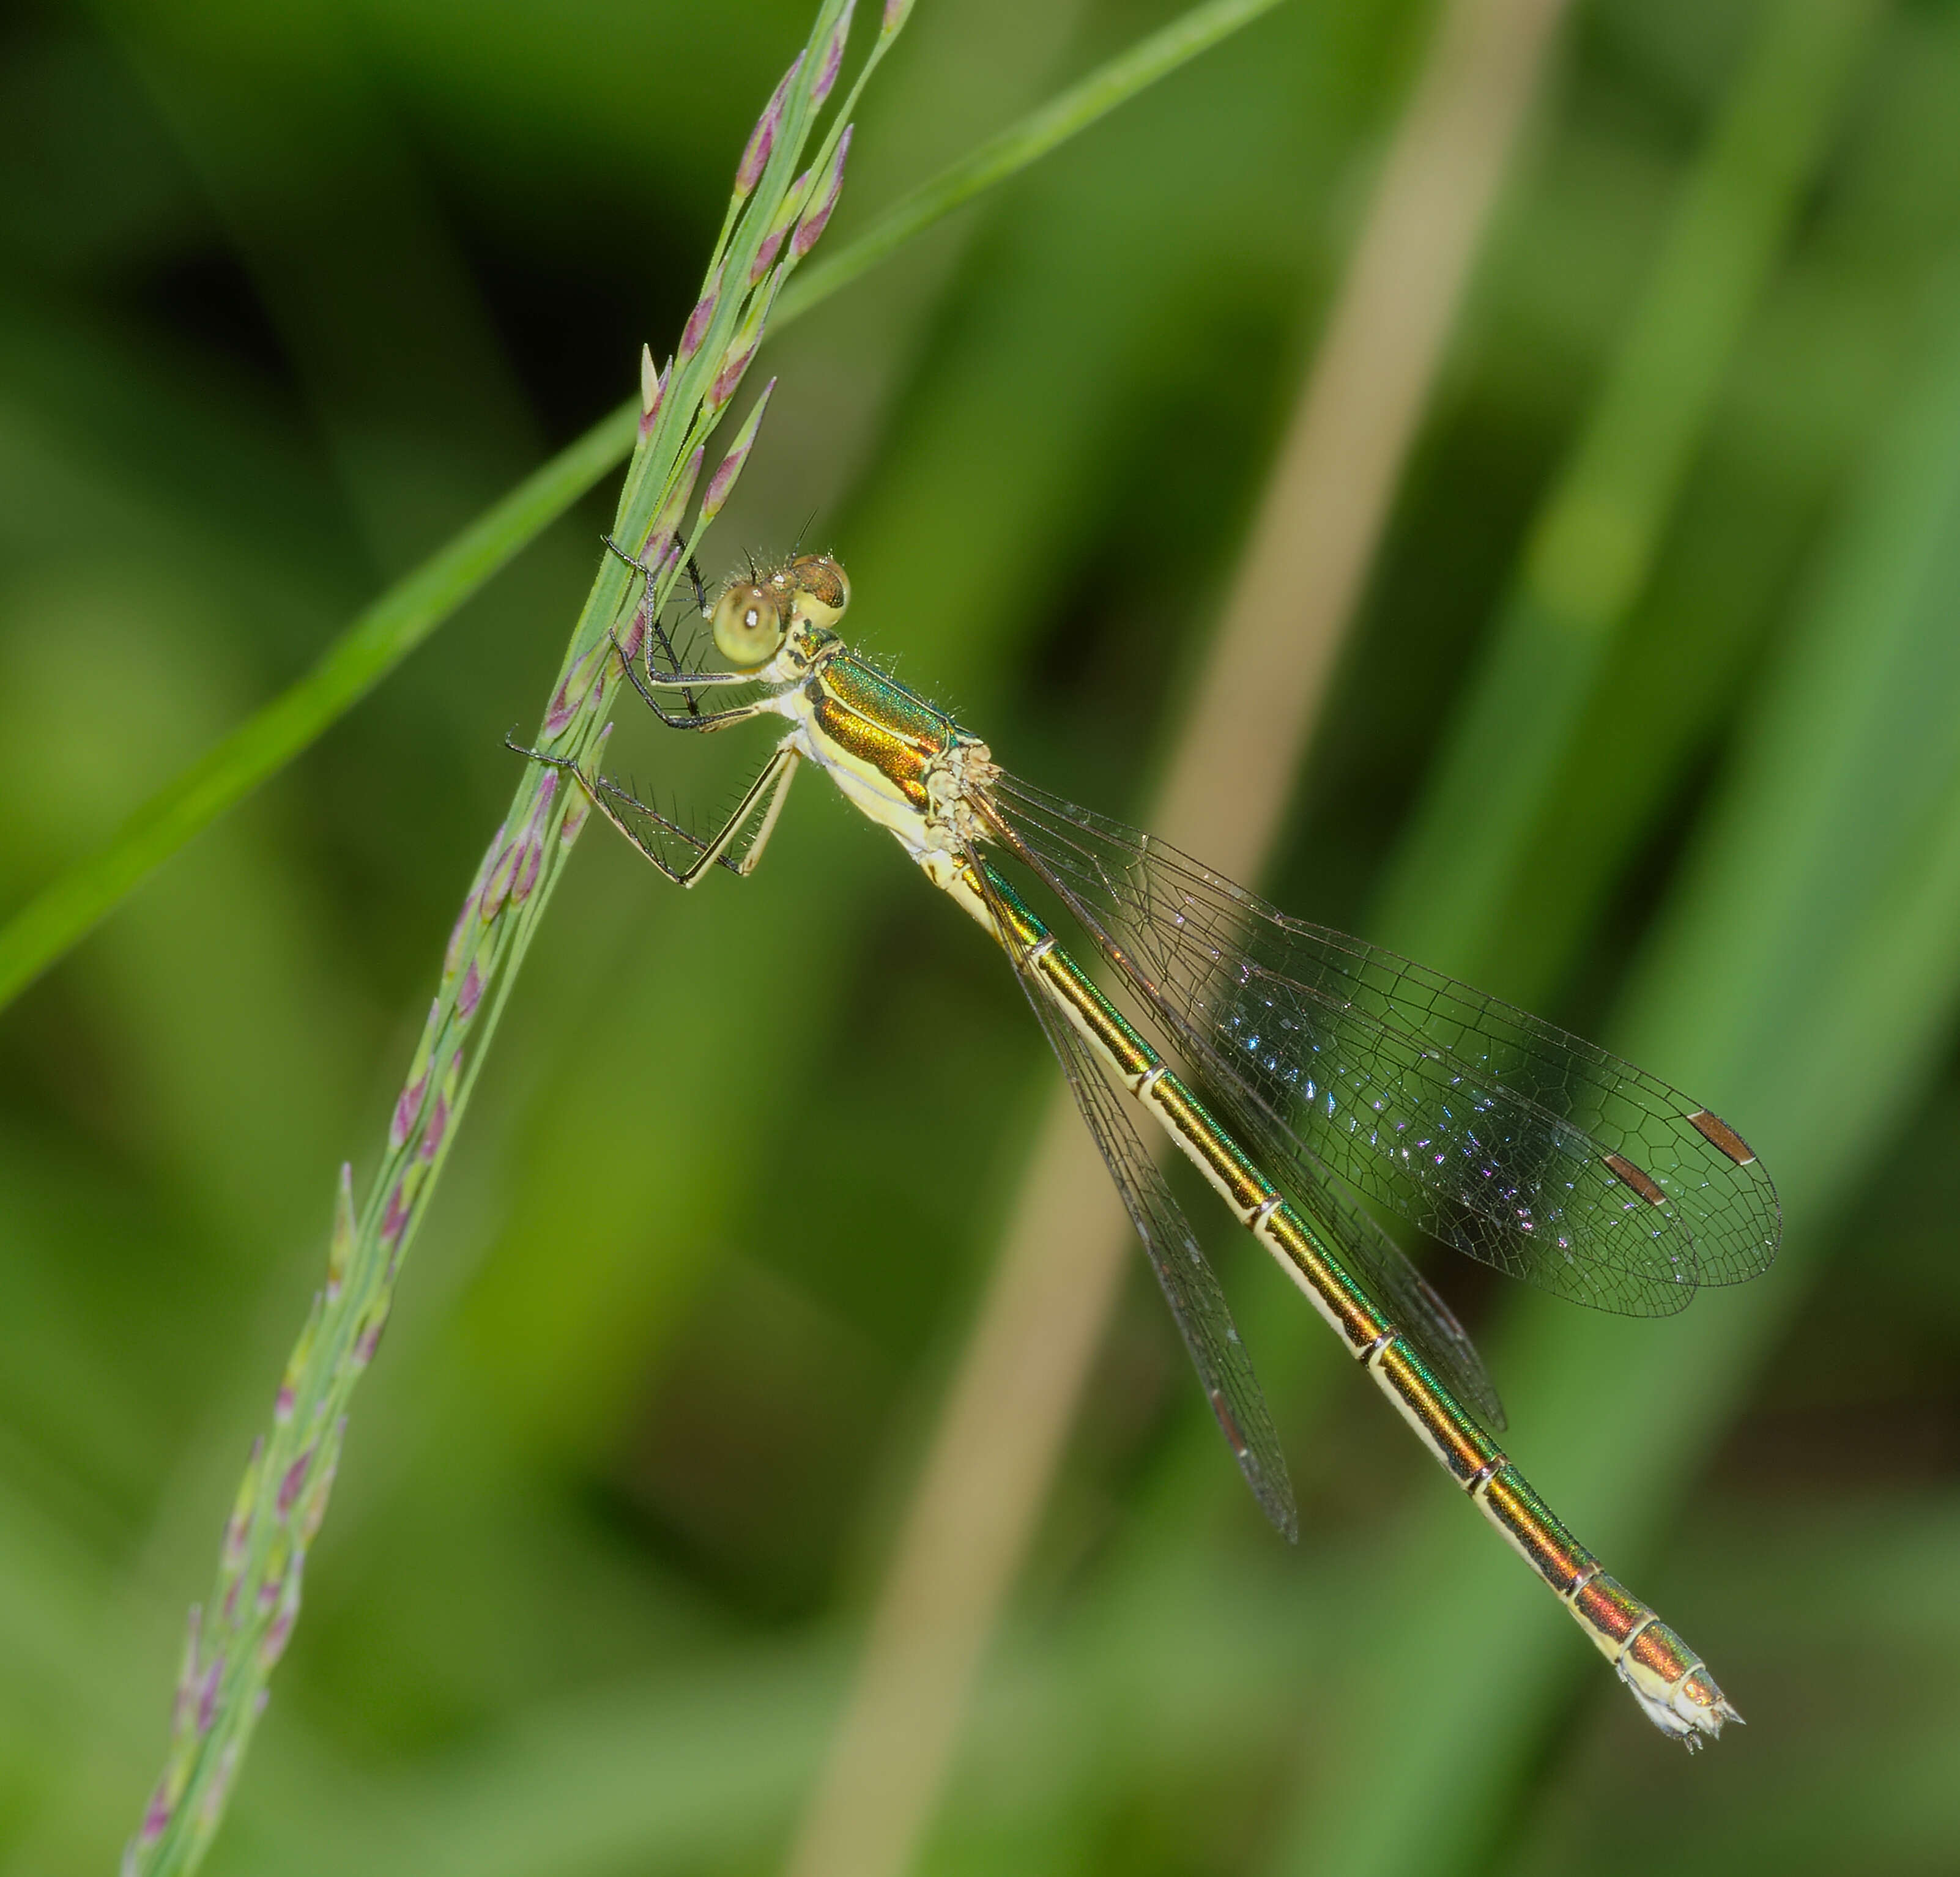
x=754 y=616
x=822 y=588
x=750 y=622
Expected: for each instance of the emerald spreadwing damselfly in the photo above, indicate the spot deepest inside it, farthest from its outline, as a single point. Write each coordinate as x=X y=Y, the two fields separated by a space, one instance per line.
x=1330 y=1071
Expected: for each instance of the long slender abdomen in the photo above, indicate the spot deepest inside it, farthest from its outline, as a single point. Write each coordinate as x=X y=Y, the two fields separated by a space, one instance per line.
x=1668 y=1679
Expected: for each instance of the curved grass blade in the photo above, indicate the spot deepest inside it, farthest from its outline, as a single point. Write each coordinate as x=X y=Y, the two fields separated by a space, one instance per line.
x=63 y=913
x=1014 y=149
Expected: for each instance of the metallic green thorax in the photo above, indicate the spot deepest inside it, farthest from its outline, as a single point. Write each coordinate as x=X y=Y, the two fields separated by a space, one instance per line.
x=905 y=763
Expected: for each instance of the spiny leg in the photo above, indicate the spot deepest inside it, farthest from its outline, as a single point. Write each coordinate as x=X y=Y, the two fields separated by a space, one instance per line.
x=655 y=629
x=768 y=791
x=621 y=809
x=599 y=791
x=714 y=720
x=688 y=683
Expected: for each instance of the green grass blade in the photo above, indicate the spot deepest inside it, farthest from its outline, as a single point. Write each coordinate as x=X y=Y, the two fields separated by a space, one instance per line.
x=1024 y=144
x=380 y=638
x=63 y=912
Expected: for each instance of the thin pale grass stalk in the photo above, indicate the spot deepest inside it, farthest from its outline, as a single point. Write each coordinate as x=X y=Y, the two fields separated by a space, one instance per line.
x=236 y=1639
x=1804 y=969
x=1447 y=1770
x=70 y=906
x=1026 y=1363
x=1596 y=536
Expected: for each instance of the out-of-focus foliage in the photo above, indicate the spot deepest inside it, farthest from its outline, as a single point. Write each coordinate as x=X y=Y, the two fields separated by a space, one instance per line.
x=289 y=293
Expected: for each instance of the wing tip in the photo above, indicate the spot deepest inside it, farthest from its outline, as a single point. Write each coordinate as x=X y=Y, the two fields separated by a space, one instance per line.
x=1281 y=1514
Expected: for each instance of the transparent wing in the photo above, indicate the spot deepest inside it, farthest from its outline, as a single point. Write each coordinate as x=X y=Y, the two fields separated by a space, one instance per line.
x=1190 y=1286
x=1370 y=1253
x=1519 y=1144
x=1413 y=1304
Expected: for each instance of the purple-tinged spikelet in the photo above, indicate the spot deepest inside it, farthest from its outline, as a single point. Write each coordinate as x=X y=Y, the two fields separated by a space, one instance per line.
x=698 y=321
x=470 y=992
x=793 y=199
x=790 y=207
x=207 y=1693
x=627 y=644
x=741 y=352
x=340 y=1245
x=772 y=245
x=728 y=374
x=462 y=939
x=652 y=389
x=762 y=138
x=530 y=848
x=295 y=1478
x=407 y=1111
x=464 y=929
x=661 y=539
x=445 y=1106
x=722 y=481
x=313 y=1506
x=816 y=217
x=573 y=693
x=238 y=1529
x=668 y=521
x=579 y=807
x=287 y=1400
x=408 y=1103
x=653 y=551
x=833 y=58
x=896 y=13
x=497 y=888
x=369 y=1338
x=395 y=1216
x=279 y=1633
x=438 y=1126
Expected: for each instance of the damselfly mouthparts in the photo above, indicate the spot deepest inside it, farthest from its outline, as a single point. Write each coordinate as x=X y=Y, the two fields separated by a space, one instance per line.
x=1335 y=1069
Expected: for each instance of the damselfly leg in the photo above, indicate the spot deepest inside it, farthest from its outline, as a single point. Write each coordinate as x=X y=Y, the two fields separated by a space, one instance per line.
x=687 y=683
x=644 y=826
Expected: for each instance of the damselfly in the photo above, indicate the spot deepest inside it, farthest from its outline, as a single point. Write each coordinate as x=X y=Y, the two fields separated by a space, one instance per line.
x=1331 y=1070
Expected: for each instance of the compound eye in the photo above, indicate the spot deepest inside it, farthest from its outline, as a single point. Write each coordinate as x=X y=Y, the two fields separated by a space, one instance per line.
x=824 y=585
x=748 y=625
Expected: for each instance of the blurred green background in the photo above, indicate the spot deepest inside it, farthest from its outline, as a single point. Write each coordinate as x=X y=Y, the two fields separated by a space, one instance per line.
x=289 y=293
